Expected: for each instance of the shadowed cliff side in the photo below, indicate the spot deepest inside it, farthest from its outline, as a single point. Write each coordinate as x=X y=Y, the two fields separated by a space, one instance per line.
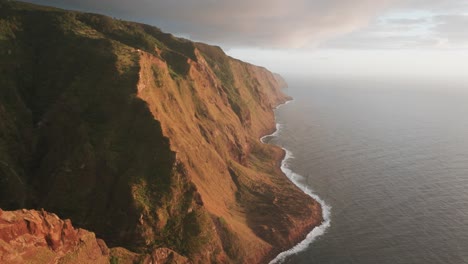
x=37 y=237
x=150 y=141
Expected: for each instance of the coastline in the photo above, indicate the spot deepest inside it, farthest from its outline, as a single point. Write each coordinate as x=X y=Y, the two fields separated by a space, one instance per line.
x=295 y=179
x=185 y=160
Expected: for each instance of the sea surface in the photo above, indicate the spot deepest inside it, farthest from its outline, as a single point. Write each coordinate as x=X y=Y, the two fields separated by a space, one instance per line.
x=390 y=159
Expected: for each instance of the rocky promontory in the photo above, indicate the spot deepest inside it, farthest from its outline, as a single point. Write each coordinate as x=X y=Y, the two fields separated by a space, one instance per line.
x=148 y=140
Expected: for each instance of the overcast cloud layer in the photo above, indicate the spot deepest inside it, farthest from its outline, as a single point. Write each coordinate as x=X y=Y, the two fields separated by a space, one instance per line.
x=357 y=24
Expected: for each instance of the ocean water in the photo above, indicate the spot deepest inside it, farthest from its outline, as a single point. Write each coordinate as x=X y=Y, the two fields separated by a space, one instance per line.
x=390 y=158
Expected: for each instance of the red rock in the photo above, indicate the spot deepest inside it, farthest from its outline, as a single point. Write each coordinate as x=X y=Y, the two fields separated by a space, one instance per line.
x=166 y=256
x=28 y=236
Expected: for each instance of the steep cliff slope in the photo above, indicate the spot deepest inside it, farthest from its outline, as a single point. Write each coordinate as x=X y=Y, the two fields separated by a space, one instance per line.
x=149 y=140
x=37 y=237
x=40 y=237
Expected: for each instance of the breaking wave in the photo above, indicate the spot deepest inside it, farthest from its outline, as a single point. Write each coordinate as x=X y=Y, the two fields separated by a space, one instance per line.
x=296 y=179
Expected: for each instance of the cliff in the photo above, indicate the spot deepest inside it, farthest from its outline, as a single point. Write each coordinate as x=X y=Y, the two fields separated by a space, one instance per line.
x=148 y=140
x=28 y=236
x=40 y=237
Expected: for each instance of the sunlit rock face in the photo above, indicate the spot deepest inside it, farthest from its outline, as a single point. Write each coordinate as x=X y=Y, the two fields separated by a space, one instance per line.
x=148 y=140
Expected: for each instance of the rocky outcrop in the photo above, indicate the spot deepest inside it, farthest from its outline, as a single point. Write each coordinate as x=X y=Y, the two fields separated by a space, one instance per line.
x=28 y=236
x=165 y=256
x=148 y=140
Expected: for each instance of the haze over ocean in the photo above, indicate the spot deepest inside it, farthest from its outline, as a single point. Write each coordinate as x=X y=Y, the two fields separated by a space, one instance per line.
x=391 y=159
x=379 y=124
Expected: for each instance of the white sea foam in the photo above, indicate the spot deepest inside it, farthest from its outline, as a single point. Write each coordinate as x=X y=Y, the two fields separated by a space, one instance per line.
x=296 y=179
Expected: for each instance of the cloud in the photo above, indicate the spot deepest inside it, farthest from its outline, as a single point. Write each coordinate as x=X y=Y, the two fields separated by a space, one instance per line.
x=408 y=21
x=388 y=32
x=293 y=23
x=429 y=27
x=263 y=23
x=451 y=28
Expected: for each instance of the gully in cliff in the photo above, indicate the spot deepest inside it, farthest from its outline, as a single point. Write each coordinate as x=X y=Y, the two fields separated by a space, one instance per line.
x=146 y=139
x=296 y=179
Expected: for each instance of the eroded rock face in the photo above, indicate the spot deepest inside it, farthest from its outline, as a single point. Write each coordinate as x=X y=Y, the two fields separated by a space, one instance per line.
x=166 y=256
x=29 y=236
x=149 y=140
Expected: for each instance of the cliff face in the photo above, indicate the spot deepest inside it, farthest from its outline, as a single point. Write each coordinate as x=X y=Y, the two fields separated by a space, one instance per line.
x=40 y=237
x=150 y=141
x=28 y=236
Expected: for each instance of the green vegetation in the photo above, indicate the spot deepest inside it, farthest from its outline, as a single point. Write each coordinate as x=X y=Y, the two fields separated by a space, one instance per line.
x=114 y=260
x=261 y=156
x=157 y=73
x=188 y=234
x=74 y=138
x=177 y=63
x=219 y=62
x=231 y=243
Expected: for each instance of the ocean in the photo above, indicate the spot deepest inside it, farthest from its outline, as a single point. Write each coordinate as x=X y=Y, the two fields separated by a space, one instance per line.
x=390 y=161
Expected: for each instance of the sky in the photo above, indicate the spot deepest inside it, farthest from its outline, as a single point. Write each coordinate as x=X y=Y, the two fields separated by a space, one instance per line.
x=412 y=38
